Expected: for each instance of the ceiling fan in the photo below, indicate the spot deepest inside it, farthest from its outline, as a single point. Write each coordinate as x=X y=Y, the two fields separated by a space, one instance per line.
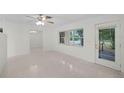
x=42 y=19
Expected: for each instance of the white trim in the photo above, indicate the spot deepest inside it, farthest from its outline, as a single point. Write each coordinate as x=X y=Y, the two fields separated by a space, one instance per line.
x=116 y=64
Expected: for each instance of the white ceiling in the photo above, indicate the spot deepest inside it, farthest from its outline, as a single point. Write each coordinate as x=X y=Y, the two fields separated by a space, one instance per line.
x=59 y=19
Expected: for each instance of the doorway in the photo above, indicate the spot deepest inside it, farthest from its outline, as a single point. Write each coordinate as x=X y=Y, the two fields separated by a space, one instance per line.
x=36 y=39
x=108 y=45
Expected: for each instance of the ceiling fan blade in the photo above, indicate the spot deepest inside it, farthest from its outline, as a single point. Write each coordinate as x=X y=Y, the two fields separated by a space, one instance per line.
x=48 y=17
x=31 y=17
x=42 y=18
x=40 y=14
x=50 y=22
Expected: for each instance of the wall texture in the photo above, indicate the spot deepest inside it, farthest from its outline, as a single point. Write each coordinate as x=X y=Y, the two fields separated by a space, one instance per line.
x=17 y=38
x=3 y=52
x=36 y=40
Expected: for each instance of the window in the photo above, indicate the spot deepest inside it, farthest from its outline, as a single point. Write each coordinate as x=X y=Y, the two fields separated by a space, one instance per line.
x=72 y=37
x=62 y=37
x=1 y=30
x=76 y=37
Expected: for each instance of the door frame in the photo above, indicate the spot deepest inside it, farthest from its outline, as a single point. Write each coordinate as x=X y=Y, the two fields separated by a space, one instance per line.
x=114 y=65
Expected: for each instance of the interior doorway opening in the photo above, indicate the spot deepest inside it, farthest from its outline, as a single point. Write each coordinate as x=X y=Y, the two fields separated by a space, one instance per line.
x=36 y=39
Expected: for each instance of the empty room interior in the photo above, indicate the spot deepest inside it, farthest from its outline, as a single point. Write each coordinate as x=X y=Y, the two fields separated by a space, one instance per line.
x=61 y=45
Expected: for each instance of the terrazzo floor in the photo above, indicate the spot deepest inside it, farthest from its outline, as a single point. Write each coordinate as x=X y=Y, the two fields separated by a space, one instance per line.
x=51 y=64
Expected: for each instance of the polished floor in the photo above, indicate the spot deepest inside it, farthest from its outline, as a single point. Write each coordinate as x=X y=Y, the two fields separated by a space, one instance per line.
x=50 y=64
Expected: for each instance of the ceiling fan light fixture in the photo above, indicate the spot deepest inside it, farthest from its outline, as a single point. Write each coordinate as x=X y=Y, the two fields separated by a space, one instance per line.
x=43 y=18
x=40 y=23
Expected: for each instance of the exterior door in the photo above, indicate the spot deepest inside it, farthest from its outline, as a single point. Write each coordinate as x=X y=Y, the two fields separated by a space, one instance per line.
x=108 y=45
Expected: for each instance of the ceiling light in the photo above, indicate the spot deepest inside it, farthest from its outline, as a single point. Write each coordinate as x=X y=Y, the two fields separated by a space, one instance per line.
x=33 y=31
x=40 y=23
x=43 y=18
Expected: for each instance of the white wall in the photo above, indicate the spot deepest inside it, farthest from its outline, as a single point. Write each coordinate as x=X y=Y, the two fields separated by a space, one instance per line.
x=17 y=38
x=3 y=52
x=87 y=52
x=122 y=44
x=48 y=36
x=36 y=40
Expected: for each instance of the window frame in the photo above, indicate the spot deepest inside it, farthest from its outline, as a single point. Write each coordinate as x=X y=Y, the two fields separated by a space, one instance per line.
x=81 y=38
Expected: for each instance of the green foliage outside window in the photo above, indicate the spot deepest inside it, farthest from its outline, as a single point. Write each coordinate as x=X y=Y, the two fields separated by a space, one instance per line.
x=107 y=35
